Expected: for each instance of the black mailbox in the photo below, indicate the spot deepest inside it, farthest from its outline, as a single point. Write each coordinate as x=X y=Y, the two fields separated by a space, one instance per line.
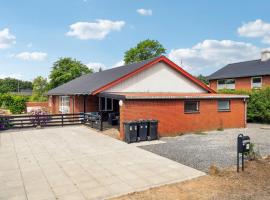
x=243 y=146
x=243 y=143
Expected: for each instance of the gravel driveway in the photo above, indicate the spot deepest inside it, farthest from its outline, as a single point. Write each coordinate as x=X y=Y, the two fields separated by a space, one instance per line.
x=216 y=147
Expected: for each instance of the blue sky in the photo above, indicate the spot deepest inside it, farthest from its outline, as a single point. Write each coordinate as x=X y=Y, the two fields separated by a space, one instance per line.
x=202 y=36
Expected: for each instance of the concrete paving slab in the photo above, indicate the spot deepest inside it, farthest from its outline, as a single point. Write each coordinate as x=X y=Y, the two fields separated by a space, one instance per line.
x=79 y=163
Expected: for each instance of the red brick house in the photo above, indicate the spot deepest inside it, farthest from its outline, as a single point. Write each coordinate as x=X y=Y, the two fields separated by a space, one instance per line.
x=247 y=75
x=152 y=89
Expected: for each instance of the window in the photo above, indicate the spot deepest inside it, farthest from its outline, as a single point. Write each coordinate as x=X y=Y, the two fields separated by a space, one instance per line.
x=191 y=106
x=105 y=104
x=226 y=84
x=224 y=105
x=64 y=104
x=256 y=82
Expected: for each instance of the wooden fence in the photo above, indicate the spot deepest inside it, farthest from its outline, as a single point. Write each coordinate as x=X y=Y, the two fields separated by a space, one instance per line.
x=28 y=121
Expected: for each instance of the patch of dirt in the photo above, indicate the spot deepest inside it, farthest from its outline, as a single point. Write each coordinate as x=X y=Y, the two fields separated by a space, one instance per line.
x=253 y=183
x=112 y=132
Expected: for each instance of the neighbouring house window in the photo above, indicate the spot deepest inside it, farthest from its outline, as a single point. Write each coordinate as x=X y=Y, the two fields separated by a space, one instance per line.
x=191 y=106
x=105 y=104
x=224 y=105
x=256 y=82
x=64 y=104
x=226 y=84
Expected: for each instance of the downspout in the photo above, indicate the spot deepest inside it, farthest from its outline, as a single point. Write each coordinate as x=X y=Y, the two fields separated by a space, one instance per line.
x=245 y=117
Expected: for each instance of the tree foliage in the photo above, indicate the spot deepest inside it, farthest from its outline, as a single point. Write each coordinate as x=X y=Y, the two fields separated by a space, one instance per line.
x=144 y=50
x=40 y=87
x=65 y=70
x=15 y=103
x=203 y=79
x=258 y=109
x=12 y=85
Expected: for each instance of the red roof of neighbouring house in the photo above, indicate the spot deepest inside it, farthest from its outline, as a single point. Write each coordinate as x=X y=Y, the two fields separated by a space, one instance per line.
x=100 y=81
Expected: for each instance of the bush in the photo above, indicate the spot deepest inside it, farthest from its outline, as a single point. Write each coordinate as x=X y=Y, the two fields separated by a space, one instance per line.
x=258 y=107
x=15 y=103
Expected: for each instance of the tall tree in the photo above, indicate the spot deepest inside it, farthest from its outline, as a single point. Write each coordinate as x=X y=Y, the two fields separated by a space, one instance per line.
x=144 y=50
x=65 y=70
x=40 y=86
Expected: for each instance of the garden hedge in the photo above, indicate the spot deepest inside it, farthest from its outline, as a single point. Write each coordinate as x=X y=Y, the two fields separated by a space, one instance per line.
x=258 y=109
x=15 y=103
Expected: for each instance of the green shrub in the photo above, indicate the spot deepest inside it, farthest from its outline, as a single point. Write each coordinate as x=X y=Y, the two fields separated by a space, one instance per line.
x=15 y=103
x=258 y=107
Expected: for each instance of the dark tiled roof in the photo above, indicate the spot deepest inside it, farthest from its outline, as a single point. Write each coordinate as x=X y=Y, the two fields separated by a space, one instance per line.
x=242 y=69
x=88 y=83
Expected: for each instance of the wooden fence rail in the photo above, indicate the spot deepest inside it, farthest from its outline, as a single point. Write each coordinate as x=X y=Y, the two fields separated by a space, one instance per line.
x=93 y=120
x=28 y=121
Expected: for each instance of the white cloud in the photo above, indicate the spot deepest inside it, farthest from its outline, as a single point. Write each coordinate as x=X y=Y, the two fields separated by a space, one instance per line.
x=118 y=64
x=32 y=56
x=6 y=39
x=256 y=29
x=145 y=12
x=96 y=66
x=210 y=55
x=17 y=76
x=94 y=30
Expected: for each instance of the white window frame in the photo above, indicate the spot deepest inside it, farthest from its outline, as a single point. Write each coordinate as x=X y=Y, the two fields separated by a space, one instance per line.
x=64 y=104
x=106 y=106
x=230 y=86
x=256 y=85
x=224 y=110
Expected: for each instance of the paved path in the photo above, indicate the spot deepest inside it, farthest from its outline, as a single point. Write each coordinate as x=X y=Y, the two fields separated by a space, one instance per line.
x=215 y=147
x=79 y=163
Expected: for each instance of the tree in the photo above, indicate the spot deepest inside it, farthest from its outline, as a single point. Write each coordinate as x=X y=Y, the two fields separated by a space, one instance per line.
x=203 y=79
x=40 y=86
x=13 y=85
x=144 y=50
x=65 y=70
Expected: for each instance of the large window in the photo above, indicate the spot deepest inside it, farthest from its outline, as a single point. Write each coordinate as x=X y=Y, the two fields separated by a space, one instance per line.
x=191 y=106
x=105 y=104
x=64 y=104
x=226 y=84
x=224 y=105
x=256 y=82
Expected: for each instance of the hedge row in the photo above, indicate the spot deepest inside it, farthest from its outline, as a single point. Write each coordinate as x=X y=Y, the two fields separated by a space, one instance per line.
x=16 y=104
x=258 y=109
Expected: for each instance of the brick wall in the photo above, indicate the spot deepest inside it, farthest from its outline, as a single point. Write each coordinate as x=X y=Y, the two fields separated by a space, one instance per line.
x=243 y=83
x=30 y=106
x=76 y=104
x=173 y=120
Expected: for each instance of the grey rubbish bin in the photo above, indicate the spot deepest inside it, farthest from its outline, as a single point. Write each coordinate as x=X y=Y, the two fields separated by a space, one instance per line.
x=152 y=130
x=131 y=131
x=142 y=130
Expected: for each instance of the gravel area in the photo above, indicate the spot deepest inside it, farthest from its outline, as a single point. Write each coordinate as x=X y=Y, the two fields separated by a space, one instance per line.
x=216 y=147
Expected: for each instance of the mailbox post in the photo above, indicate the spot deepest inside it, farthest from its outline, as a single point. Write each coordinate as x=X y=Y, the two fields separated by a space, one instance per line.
x=243 y=146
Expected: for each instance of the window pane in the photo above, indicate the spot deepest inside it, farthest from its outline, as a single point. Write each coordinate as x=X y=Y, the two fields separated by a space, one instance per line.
x=230 y=81
x=191 y=106
x=224 y=105
x=102 y=103
x=221 y=82
x=109 y=104
x=256 y=82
